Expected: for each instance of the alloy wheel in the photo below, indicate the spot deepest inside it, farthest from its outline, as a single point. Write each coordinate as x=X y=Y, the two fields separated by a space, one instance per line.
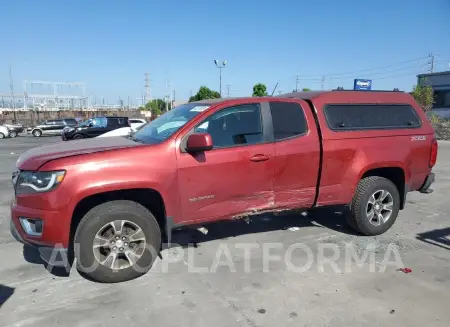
x=379 y=207
x=119 y=244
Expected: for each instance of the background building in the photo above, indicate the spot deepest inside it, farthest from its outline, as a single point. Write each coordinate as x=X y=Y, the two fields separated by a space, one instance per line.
x=440 y=82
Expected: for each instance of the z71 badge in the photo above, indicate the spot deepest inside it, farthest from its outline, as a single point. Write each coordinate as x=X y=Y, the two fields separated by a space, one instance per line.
x=418 y=138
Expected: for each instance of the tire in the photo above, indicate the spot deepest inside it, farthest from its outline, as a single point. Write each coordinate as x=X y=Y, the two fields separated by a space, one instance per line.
x=37 y=133
x=78 y=137
x=2 y=136
x=360 y=217
x=12 y=134
x=99 y=217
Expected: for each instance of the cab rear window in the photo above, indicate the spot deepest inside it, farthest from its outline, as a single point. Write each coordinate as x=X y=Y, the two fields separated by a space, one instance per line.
x=352 y=117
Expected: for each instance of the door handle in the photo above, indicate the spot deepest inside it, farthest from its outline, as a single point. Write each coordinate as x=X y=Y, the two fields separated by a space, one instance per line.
x=260 y=157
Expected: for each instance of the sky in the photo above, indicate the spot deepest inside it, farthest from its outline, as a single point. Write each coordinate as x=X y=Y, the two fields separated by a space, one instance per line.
x=110 y=45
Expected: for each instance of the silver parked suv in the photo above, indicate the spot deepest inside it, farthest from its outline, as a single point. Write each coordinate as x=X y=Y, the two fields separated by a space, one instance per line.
x=52 y=126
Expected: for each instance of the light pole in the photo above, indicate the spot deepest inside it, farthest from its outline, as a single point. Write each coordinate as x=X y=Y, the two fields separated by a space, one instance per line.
x=220 y=66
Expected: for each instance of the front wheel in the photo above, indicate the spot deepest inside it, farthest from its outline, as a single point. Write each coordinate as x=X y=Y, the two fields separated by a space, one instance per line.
x=37 y=133
x=78 y=137
x=375 y=206
x=117 y=241
x=2 y=136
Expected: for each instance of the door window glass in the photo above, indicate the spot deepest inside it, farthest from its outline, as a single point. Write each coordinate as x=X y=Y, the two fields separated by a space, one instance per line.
x=233 y=126
x=99 y=122
x=288 y=120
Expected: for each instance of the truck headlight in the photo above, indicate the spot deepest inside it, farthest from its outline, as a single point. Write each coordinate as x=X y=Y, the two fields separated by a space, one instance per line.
x=30 y=182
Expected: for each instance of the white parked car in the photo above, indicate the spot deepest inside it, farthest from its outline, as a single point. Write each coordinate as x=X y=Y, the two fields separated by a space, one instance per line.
x=4 y=132
x=123 y=131
x=136 y=122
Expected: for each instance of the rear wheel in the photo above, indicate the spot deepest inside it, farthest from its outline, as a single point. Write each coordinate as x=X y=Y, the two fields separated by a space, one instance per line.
x=2 y=136
x=12 y=134
x=37 y=133
x=375 y=206
x=117 y=241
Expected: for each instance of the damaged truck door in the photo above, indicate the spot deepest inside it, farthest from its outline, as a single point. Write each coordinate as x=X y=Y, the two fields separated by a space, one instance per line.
x=236 y=175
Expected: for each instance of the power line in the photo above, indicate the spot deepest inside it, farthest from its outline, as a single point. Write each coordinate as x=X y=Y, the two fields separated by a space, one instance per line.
x=369 y=75
x=371 y=69
x=398 y=75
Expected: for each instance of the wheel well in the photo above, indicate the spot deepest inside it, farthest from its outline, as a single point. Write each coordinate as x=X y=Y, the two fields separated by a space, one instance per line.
x=396 y=175
x=149 y=198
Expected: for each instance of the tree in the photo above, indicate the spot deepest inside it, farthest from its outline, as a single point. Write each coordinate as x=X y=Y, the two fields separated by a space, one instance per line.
x=423 y=94
x=204 y=93
x=156 y=106
x=305 y=89
x=259 y=90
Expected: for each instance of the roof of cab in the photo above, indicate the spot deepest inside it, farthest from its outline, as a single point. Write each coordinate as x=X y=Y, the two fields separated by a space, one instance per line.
x=310 y=95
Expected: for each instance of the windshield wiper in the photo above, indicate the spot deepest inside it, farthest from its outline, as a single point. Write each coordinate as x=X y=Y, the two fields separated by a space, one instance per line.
x=131 y=137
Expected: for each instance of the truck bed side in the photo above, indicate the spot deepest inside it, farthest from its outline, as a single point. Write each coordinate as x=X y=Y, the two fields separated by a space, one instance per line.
x=347 y=156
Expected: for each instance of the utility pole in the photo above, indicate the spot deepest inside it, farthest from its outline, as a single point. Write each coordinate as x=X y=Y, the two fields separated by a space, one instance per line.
x=170 y=94
x=431 y=63
x=228 y=91
x=165 y=96
x=173 y=98
x=147 y=95
x=220 y=65
x=297 y=80
x=11 y=86
x=323 y=82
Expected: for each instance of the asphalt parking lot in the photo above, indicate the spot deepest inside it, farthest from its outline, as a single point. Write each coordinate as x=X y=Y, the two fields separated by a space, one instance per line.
x=225 y=278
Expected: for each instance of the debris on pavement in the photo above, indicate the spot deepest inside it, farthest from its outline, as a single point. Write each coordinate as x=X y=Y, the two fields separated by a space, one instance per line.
x=405 y=270
x=293 y=229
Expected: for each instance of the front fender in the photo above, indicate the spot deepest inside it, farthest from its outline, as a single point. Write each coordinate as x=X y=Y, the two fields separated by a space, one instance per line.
x=123 y=169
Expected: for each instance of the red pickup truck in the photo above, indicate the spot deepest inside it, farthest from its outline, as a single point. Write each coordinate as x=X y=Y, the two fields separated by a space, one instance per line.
x=110 y=200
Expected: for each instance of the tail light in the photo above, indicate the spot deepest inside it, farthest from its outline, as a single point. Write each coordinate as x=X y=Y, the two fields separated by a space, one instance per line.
x=433 y=154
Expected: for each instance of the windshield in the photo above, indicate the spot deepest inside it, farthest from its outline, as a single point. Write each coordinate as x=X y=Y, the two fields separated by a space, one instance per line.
x=85 y=123
x=164 y=126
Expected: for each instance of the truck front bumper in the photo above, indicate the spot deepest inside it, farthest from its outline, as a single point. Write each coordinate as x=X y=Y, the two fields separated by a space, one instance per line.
x=52 y=256
x=425 y=188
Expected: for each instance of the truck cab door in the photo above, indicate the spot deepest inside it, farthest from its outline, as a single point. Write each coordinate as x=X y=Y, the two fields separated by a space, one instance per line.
x=297 y=154
x=236 y=176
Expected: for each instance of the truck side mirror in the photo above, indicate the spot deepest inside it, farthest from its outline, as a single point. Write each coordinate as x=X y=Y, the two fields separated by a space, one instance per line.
x=199 y=142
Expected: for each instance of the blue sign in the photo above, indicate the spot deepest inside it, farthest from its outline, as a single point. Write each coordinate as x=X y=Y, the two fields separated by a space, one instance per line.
x=362 y=84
